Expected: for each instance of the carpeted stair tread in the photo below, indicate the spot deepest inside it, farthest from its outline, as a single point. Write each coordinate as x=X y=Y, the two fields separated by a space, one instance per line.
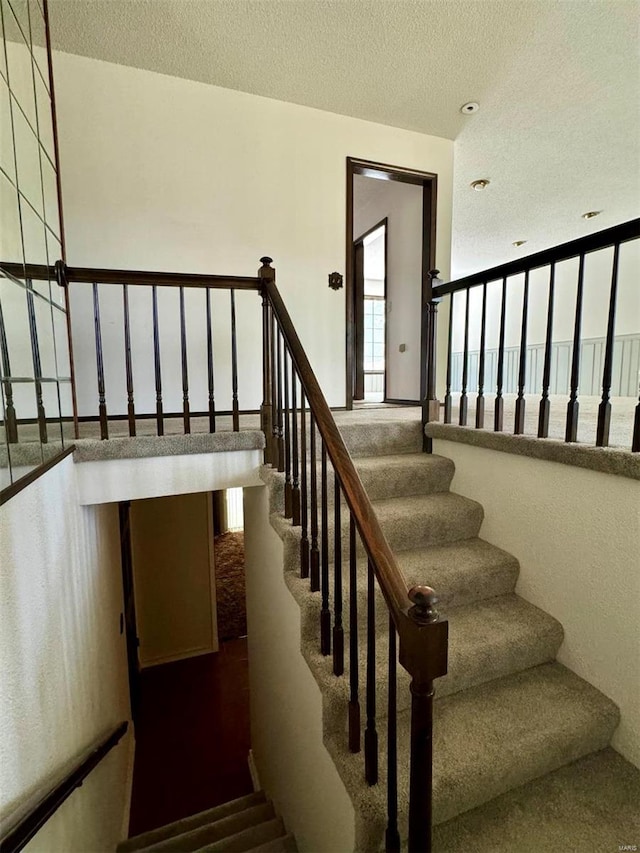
x=393 y=476
x=417 y=521
x=590 y=805
x=248 y=839
x=461 y=572
x=505 y=733
x=367 y=438
x=284 y=844
x=186 y=824
x=212 y=833
x=487 y=740
x=487 y=640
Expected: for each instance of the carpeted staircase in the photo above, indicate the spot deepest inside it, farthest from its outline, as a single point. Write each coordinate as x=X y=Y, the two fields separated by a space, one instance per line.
x=516 y=733
x=247 y=824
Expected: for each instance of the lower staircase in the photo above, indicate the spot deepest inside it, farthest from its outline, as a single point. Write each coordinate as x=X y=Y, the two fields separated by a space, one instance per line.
x=517 y=735
x=246 y=824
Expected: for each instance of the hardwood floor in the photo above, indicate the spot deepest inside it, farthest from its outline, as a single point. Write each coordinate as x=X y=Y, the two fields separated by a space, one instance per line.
x=192 y=737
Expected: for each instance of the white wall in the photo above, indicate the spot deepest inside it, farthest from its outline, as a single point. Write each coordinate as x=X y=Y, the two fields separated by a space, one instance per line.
x=64 y=667
x=577 y=536
x=168 y=174
x=293 y=766
x=173 y=573
x=156 y=476
x=374 y=200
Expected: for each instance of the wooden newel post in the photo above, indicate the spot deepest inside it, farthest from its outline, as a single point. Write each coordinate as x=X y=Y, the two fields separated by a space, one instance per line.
x=423 y=653
x=266 y=273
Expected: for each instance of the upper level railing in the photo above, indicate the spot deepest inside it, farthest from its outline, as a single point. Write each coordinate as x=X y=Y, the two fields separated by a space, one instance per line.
x=506 y=334
x=18 y=835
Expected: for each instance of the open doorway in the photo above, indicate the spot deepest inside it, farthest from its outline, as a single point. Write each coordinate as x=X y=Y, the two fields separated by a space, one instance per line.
x=405 y=201
x=370 y=283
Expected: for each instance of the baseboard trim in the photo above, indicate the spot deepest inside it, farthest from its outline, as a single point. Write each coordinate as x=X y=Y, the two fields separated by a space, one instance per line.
x=253 y=772
x=191 y=653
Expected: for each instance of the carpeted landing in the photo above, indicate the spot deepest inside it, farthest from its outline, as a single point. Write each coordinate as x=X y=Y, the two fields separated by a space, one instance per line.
x=521 y=757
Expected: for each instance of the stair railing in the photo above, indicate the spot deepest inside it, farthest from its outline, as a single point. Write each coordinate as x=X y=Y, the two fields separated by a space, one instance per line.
x=300 y=428
x=304 y=443
x=18 y=834
x=525 y=368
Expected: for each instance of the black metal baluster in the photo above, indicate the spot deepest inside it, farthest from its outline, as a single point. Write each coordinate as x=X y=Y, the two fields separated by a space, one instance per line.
x=279 y=405
x=338 y=630
x=370 y=733
x=265 y=408
x=295 y=489
x=273 y=341
x=354 y=702
x=234 y=364
x=37 y=365
x=156 y=361
x=545 y=403
x=288 y=505
x=604 y=409
x=498 y=416
x=392 y=836
x=325 y=613
x=11 y=422
x=210 y=370
x=131 y=411
x=518 y=428
x=186 y=414
x=447 y=396
x=304 y=498
x=571 y=431
x=462 y=420
x=102 y=404
x=314 y=557
x=480 y=397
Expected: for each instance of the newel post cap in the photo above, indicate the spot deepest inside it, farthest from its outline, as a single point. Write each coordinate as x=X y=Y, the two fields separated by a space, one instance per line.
x=424 y=600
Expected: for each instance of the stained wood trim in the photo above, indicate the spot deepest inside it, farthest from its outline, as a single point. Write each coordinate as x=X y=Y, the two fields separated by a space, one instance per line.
x=384 y=171
x=583 y=245
x=89 y=275
x=390 y=577
x=20 y=484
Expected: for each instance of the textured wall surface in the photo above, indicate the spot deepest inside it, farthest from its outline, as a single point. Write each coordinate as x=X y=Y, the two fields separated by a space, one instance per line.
x=167 y=174
x=576 y=534
x=293 y=765
x=64 y=669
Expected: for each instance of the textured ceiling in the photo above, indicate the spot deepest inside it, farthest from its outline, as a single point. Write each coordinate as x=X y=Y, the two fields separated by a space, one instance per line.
x=557 y=134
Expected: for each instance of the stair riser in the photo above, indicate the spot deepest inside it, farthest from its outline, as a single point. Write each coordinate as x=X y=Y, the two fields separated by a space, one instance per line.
x=396 y=482
x=215 y=832
x=469 y=665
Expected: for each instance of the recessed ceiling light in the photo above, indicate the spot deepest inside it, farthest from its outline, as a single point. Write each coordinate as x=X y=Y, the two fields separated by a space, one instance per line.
x=480 y=184
x=591 y=213
x=469 y=108
x=518 y=243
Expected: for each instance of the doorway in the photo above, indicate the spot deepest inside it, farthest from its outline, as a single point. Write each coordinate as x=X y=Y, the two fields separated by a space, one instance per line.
x=405 y=200
x=370 y=283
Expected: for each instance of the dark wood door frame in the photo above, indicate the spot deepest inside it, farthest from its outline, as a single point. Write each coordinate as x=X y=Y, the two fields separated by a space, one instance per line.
x=358 y=315
x=429 y=183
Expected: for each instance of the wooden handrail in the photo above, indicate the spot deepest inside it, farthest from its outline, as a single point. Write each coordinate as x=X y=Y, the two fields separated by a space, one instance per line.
x=591 y=243
x=24 y=830
x=42 y=272
x=390 y=577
